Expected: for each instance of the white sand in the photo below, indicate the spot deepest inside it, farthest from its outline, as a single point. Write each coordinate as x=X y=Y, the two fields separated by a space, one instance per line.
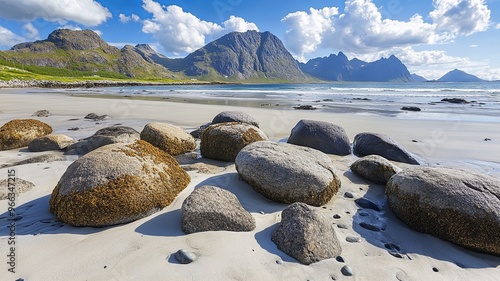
x=50 y=250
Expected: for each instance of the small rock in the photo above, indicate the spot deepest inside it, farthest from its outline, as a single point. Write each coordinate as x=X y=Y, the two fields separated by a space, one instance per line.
x=305 y=107
x=370 y=226
x=184 y=256
x=455 y=100
x=348 y=194
x=487 y=139
x=336 y=216
x=42 y=113
x=340 y=259
x=435 y=269
x=279 y=262
x=411 y=108
x=353 y=239
x=363 y=214
x=95 y=117
x=342 y=226
x=346 y=270
x=367 y=204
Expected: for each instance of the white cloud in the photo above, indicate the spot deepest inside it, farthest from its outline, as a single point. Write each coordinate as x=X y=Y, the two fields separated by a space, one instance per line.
x=98 y=32
x=9 y=38
x=473 y=46
x=306 y=30
x=179 y=31
x=362 y=29
x=497 y=26
x=124 y=19
x=31 y=31
x=85 y=12
x=460 y=17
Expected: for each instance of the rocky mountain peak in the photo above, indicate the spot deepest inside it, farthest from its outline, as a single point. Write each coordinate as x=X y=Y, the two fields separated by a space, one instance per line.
x=67 y=39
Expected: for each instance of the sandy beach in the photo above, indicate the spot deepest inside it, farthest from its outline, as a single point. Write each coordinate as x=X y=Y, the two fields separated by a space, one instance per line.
x=142 y=250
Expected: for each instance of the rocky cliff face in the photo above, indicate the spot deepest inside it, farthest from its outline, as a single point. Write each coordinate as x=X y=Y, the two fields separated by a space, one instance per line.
x=84 y=50
x=339 y=68
x=244 y=56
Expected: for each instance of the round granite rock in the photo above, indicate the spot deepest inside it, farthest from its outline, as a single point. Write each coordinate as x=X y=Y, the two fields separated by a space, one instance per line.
x=235 y=116
x=223 y=141
x=50 y=142
x=169 y=138
x=306 y=234
x=288 y=173
x=459 y=206
x=104 y=136
x=323 y=136
x=375 y=168
x=210 y=208
x=117 y=183
x=379 y=144
x=20 y=132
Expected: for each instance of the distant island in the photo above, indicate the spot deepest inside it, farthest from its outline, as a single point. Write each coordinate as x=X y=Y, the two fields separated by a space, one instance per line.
x=238 y=57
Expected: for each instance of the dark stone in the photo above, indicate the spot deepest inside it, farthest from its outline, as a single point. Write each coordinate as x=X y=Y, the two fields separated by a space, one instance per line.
x=411 y=108
x=346 y=270
x=184 y=257
x=95 y=117
x=105 y=136
x=42 y=113
x=370 y=226
x=455 y=100
x=235 y=116
x=305 y=107
x=378 y=144
x=323 y=136
x=367 y=204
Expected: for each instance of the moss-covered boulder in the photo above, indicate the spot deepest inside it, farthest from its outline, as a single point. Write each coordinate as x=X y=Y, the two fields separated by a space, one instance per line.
x=20 y=132
x=117 y=183
x=169 y=138
x=225 y=140
x=375 y=168
x=288 y=173
x=50 y=142
x=459 y=206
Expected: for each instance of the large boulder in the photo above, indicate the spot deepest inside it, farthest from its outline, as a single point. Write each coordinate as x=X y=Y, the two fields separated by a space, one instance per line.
x=117 y=183
x=288 y=173
x=323 y=136
x=20 y=132
x=460 y=206
x=306 y=234
x=211 y=208
x=379 y=144
x=235 y=116
x=223 y=141
x=170 y=138
x=374 y=168
x=50 y=142
x=105 y=136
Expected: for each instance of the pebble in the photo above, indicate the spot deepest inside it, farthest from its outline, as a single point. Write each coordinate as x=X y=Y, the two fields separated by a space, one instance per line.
x=367 y=204
x=279 y=262
x=340 y=259
x=435 y=269
x=336 y=216
x=353 y=239
x=370 y=226
x=348 y=194
x=342 y=225
x=363 y=214
x=184 y=256
x=346 y=270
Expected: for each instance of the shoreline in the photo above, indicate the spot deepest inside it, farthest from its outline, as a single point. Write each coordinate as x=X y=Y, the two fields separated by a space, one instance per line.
x=53 y=84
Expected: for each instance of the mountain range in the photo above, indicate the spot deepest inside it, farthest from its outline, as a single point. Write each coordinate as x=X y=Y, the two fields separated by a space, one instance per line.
x=235 y=57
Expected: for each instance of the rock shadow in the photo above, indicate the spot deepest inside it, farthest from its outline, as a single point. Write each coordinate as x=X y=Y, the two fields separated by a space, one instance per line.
x=168 y=224
x=401 y=241
x=34 y=218
x=263 y=238
x=251 y=200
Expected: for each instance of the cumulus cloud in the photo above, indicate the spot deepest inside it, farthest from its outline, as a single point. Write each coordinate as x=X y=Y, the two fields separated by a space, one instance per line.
x=307 y=30
x=85 y=12
x=124 y=19
x=460 y=17
x=361 y=28
x=179 y=31
x=31 y=31
x=9 y=38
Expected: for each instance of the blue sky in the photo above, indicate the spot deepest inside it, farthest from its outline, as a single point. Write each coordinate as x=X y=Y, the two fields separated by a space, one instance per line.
x=431 y=37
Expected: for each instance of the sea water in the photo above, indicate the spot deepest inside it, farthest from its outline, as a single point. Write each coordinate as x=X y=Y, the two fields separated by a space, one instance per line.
x=483 y=99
